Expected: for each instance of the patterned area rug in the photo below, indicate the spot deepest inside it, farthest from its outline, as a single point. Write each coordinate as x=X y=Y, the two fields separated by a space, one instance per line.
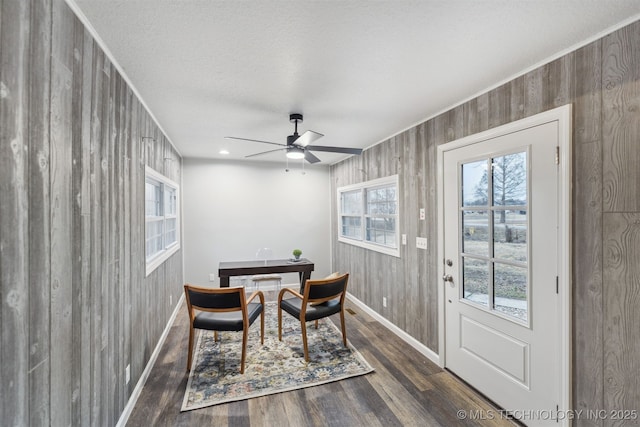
x=275 y=367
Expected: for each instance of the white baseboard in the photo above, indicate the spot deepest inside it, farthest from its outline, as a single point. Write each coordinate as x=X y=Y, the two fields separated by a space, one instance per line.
x=124 y=417
x=423 y=349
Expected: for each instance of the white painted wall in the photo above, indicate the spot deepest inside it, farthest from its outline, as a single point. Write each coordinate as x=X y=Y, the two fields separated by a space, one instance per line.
x=231 y=209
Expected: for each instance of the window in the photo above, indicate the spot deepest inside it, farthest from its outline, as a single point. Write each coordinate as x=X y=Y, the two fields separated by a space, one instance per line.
x=368 y=215
x=162 y=224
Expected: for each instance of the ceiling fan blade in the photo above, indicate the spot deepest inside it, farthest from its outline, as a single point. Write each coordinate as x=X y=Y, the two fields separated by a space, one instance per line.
x=254 y=140
x=264 y=152
x=344 y=150
x=309 y=157
x=307 y=138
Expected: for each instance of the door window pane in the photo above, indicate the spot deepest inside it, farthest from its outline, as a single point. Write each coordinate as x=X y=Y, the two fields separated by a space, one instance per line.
x=495 y=233
x=475 y=225
x=475 y=186
x=510 y=290
x=475 y=280
x=510 y=235
x=510 y=179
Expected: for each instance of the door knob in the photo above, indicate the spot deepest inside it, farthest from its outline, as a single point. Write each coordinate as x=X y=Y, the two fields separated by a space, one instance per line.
x=447 y=278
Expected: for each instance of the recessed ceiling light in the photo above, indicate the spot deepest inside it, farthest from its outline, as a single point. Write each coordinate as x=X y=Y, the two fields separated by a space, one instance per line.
x=224 y=152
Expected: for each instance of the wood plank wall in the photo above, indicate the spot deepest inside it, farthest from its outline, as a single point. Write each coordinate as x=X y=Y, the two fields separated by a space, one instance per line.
x=602 y=81
x=76 y=307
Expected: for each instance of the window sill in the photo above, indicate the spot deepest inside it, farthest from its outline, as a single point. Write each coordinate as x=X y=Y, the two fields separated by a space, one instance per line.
x=371 y=246
x=156 y=261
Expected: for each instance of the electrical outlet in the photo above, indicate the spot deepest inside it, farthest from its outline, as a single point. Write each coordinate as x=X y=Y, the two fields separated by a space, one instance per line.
x=422 y=213
x=212 y=277
x=127 y=374
x=421 y=242
x=404 y=239
x=384 y=301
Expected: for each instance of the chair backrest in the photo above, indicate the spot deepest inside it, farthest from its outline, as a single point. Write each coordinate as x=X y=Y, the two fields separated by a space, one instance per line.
x=326 y=289
x=214 y=299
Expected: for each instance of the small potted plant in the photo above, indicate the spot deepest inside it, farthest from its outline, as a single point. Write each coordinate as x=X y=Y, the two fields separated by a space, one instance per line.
x=297 y=253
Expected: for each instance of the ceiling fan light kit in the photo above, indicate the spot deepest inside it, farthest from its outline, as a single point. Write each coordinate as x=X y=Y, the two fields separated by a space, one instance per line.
x=295 y=153
x=298 y=146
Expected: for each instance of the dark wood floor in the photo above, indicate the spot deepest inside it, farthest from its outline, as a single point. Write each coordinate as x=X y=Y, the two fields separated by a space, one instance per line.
x=406 y=389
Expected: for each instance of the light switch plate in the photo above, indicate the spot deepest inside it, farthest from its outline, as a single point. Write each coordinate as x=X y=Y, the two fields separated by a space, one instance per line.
x=404 y=239
x=421 y=242
x=212 y=277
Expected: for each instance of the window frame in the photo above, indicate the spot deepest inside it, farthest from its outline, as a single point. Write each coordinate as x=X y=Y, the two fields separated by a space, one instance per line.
x=389 y=181
x=168 y=249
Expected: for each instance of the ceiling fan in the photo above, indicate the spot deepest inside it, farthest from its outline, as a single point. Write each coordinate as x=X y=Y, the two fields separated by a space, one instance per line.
x=297 y=146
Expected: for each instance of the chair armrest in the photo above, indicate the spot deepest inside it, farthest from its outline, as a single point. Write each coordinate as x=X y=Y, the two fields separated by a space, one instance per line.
x=258 y=294
x=291 y=291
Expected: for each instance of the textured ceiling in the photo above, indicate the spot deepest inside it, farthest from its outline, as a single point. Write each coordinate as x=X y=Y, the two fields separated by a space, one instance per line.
x=359 y=70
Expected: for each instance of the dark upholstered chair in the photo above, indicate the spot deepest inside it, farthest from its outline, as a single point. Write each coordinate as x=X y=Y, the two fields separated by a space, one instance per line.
x=322 y=298
x=223 y=309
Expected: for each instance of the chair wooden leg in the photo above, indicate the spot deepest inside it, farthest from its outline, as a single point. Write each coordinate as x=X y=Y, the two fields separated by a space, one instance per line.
x=262 y=326
x=245 y=332
x=344 y=330
x=279 y=323
x=304 y=340
x=316 y=323
x=215 y=336
x=190 y=348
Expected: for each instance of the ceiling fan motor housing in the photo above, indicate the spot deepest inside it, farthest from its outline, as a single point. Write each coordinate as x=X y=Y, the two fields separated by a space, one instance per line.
x=294 y=118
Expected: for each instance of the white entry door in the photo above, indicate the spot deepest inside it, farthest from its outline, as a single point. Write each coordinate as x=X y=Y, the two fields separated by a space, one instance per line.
x=504 y=328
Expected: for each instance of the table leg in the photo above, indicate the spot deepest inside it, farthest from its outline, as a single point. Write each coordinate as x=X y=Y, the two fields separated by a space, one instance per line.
x=224 y=281
x=304 y=276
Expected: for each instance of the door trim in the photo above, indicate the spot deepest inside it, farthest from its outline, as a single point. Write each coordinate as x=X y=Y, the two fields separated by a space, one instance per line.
x=563 y=116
